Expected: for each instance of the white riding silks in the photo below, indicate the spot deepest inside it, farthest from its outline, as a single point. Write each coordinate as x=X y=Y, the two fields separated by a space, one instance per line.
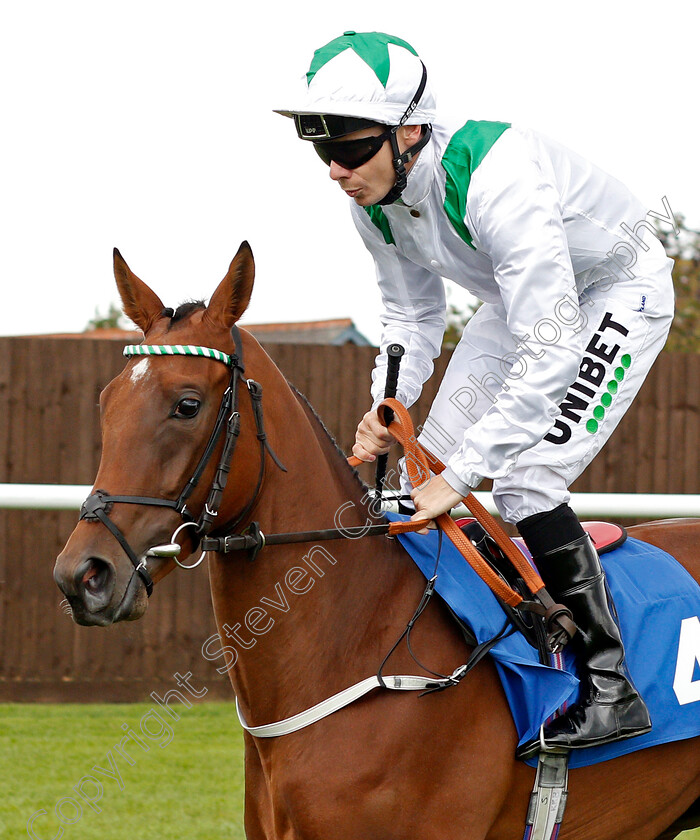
x=573 y=284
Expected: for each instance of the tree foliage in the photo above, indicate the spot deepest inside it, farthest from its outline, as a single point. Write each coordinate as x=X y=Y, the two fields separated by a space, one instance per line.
x=684 y=249
x=457 y=318
x=114 y=318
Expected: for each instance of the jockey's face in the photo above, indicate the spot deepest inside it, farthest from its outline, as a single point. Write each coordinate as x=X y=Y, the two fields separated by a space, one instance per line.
x=369 y=183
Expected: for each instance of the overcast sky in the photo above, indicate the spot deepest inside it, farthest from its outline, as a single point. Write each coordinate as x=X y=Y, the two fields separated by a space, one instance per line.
x=147 y=125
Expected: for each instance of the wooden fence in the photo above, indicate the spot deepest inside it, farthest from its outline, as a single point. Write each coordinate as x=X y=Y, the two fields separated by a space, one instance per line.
x=49 y=433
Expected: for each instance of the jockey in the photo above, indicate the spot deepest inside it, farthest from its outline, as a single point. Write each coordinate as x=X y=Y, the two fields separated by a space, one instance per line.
x=577 y=303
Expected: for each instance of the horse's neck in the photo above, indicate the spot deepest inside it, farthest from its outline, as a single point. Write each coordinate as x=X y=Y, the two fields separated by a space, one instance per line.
x=306 y=620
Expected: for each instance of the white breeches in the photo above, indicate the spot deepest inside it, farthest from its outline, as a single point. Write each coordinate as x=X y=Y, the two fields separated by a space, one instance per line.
x=624 y=322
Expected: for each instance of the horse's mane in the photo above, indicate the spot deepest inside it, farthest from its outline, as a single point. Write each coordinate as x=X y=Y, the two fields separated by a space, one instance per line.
x=318 y=423
x=183 y=311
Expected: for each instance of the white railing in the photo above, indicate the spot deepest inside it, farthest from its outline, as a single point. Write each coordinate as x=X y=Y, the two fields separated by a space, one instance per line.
x=43 y=496
x=610 y=505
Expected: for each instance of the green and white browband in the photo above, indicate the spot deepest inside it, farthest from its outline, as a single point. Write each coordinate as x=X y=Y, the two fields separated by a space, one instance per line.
x=177 y=350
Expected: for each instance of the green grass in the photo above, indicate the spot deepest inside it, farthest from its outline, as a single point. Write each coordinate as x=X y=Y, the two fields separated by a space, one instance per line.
x=191 y=787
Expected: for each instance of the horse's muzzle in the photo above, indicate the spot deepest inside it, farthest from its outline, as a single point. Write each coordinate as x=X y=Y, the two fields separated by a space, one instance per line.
x=99 y=590
x=88 y=586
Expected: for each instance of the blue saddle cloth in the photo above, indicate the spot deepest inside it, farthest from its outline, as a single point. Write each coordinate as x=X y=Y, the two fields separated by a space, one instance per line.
x=658 y=604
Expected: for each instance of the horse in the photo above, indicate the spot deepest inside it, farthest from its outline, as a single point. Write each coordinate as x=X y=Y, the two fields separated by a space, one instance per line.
x=390 y=765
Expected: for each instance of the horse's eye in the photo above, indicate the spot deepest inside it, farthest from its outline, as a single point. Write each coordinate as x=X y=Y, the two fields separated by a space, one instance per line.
x=187 y=407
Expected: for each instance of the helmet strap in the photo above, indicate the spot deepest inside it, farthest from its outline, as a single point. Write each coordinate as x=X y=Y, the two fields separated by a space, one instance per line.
x=400 y=161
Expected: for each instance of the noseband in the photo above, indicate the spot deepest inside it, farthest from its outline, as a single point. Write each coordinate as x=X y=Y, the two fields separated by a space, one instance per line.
x=98 y=505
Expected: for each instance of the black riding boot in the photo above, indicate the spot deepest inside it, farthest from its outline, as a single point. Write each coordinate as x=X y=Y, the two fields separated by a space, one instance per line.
x=609 y=707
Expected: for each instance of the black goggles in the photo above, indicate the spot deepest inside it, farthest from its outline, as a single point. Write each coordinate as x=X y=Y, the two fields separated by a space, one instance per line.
x=351 y=153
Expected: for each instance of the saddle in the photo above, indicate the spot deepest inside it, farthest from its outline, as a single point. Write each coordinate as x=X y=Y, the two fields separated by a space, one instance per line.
x=658 y=606
x=606 y=537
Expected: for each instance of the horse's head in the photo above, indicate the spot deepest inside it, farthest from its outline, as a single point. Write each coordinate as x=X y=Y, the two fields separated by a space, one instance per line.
x=164 y=428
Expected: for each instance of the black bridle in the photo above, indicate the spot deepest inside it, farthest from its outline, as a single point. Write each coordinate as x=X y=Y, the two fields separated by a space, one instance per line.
x=98 y=505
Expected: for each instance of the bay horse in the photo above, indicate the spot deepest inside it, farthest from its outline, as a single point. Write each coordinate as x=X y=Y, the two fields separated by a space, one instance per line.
x=391 y=765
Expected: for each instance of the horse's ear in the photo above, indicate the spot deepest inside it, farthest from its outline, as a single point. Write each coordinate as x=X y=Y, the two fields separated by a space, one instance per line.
x=140 y=303
x=232 y=296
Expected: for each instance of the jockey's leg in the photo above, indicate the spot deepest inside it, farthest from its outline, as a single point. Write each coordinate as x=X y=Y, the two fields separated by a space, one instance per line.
x=609 y=707
x=624 y=326
x=534 y=496
x=459 y=403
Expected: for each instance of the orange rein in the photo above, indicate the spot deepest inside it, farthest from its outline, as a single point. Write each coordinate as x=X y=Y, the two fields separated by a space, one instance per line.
x=419 y=463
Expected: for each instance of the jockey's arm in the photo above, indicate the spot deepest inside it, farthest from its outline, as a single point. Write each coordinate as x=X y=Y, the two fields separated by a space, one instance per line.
x=413 y=316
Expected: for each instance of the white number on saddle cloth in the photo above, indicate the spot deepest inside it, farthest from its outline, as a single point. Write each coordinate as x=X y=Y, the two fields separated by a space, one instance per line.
x=687 y=689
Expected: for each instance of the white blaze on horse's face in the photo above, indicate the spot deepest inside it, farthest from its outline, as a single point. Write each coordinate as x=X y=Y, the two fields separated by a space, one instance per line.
x=140 y=370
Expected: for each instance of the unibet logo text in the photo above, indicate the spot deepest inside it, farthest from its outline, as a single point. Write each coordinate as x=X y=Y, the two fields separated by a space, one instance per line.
x=596 y=367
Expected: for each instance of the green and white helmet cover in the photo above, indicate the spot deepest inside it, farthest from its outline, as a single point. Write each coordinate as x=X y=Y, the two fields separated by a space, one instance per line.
x=368 y=75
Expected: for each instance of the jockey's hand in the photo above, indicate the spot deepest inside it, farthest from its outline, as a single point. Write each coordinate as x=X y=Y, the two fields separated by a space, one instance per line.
x=433 y=498
x=372 y=438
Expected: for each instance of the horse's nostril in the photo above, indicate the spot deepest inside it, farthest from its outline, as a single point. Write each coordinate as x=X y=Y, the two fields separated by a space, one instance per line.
x=96 y=577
